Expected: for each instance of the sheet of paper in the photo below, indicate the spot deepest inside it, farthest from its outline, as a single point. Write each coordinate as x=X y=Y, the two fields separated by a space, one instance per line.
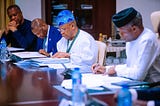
x=89 y=79
x=93 y=80
x=13 y=49
x=27 y=54
x=51 y=60
x=60 y=63
x=60 y=66
x=55 y=66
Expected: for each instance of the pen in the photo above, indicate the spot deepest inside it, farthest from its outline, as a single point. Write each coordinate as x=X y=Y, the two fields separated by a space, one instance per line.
x=44 y=66
x=64 y=66
x=96 y=68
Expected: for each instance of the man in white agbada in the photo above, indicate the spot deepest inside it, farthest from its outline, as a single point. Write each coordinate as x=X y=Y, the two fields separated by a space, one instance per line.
x=141 y=49
x=75 y=44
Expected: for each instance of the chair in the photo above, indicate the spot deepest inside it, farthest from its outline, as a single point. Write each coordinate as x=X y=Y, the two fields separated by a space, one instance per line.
x=101 y=52
x=155 y=19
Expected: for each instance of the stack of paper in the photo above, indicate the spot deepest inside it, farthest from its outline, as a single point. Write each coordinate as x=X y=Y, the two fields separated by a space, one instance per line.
x=26 y=54
x=13 y=49
x=51 y=60
x=94 y=80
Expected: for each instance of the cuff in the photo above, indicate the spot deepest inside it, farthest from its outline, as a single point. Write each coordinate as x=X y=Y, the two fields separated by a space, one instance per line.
x=107 y=68
x=134 y=94
x=151 y=103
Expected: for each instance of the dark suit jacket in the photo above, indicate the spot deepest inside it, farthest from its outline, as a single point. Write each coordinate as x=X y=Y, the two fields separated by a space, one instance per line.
x=150 y=94
x=54 y=37
x=22 y=37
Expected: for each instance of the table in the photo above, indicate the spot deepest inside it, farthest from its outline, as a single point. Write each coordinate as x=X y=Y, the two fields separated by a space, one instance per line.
x=34 y=87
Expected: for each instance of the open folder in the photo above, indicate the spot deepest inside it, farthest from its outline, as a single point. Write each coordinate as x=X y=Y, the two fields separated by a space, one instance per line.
x=130 y=83
x=99 y=90
x=51 y=60
x=26 y=55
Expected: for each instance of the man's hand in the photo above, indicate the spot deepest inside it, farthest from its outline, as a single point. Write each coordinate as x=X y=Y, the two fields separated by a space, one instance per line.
x=97 y=69
x=61 y=55
x=111 y=71
x=42 y=51
x=12 y=26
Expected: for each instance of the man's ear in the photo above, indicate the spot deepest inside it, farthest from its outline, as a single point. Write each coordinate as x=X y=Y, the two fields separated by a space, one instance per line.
x=72 y=24
x=134 y=28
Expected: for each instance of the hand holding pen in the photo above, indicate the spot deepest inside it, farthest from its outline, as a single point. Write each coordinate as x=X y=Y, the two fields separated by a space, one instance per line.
x=98 y=69
x=42 y=51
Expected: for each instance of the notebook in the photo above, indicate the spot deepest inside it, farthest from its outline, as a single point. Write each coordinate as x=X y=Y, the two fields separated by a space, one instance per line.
x=130 y=83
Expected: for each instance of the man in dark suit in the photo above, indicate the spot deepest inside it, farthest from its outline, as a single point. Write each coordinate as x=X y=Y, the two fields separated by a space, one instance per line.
x=18 y=31
x=48 y=36
x=146 y=97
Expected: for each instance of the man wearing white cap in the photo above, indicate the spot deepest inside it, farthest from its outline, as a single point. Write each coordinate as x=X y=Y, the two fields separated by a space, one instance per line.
x=141 y=48
x=75 y=44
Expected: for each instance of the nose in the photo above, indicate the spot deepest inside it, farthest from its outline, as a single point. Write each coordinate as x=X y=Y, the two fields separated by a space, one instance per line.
x=13 y=17
x=62 y=32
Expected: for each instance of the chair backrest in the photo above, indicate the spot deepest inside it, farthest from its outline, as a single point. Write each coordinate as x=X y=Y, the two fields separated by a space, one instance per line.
x=101 y=52
x=155 y=19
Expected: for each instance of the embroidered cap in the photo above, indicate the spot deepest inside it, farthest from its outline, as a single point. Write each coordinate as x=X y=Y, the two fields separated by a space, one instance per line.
x=65 y=16
x=124 y=17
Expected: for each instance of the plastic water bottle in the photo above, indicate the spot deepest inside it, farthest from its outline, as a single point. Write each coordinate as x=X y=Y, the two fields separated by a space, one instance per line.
x=77 y=95
x=3 y=57
x=3 y=71
x=124 y=96
x=3 y=49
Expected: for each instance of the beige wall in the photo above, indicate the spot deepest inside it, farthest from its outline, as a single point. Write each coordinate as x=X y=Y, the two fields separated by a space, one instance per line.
x=31 y=8
x=146 y=7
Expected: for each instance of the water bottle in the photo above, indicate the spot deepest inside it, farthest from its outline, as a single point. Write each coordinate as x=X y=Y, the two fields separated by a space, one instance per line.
x=77 y=95
x=3 y=57
x=3 y=71
x=124 y=96
x=3 y=49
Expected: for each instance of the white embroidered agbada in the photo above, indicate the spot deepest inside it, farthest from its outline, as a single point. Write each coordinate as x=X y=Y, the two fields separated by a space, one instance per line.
x=83 y=52
x=141 y=54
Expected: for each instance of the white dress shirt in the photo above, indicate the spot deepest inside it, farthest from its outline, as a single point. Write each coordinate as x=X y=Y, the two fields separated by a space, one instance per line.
x=141 y=54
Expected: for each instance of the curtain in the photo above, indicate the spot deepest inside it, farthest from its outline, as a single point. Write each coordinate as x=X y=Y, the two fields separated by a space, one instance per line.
x=3 y=13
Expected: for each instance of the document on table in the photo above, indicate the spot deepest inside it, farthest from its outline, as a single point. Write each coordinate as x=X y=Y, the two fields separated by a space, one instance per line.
x=94 y=80
x=51 y=60
x=13 y=49
x=89 y=79
x=96 y=84
x=28 y=54
x=100 y=90
x=61 y=66
x=56 y=63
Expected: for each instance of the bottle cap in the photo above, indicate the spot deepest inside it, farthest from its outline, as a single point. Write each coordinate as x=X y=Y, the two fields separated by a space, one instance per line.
x=125 y=86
